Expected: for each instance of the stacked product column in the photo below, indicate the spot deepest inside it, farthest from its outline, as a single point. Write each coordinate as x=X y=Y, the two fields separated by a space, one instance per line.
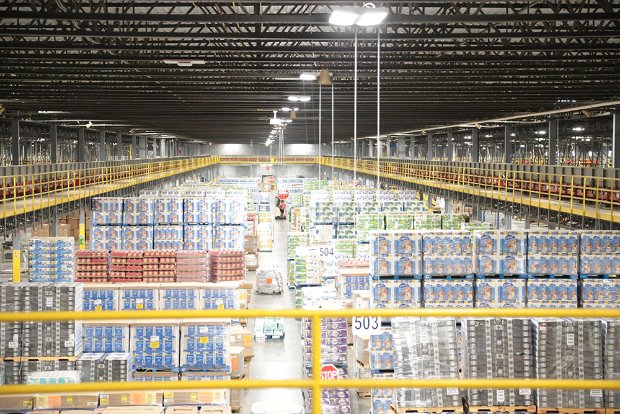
x=599 y=267
x=295 y=240
x=322 y=215
x=52 y=259
x=611 y=359
x=192 y=266
x=500 y=267
x=126 y=266
x=155 y=346
x=265 y=221
x=425 y=348
x=198 y=215
x=138 y=217
x=159 y=266
x=427 y=222
x=499 y=348
x=227 y=265
x=334 y=352
x=365 y=223
x=91 y=266
x=568 y=349
x=230 y=216
x=168 y=219
x=107 y=218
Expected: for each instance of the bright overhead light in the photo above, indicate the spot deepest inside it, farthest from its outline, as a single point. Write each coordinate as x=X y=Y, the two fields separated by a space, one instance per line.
x=360 y=16
x=296 y=109
x=307 y=76
x=52 y=112
x=343 y=17
x=89 y=124
x=184 y=63
x=285 y=109
x=578 y=129
x=372 y=17
x=295 y=98
x=288 y=120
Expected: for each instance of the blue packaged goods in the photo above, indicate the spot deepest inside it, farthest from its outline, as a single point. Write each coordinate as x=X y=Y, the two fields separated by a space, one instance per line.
x=600 y=253
x=552 y=252
x=197 y=237
x=168 y=211
x=199 y=210
x=168 y=237
x=447 y=253
x=205 y=346
x=138 y=211
x=107 y=211
x=216 y=298
x=105 y=337
x=229 y=237
x=500 y=252
x=551 y=293
x=51 y=259
x=600 y=293
x=155 y=346
x=441 y=293
x=396 y=293
x=138 y=297
x=106 y=238
x=137 y=238
x=100 y=297
x=231 y=211
x=500 y=293
x=176 y=298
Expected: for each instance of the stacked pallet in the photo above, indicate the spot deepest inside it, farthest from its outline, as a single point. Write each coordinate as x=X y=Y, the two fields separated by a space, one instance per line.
x=159 y=266
x=126 y=266
x=227 y=265
x=91 y=266
x=192 y=266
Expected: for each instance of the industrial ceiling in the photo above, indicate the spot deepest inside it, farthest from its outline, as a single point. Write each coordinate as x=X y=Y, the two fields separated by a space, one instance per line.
x=441 y=62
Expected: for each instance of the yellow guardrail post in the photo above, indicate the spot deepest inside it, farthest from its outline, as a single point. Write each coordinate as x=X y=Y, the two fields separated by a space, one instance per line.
x=316 y=364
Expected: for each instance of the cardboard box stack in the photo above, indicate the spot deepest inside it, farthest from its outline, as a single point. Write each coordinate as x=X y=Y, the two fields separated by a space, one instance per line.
x=611 y=359
x=500 y=252
x=98 y=367
x=155 y=345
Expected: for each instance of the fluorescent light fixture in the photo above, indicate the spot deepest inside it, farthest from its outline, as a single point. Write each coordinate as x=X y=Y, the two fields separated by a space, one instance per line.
x=343 y=17
x=372 y=17
x=513 y=135
x=578 y=129
x=285 y=109
x=306 y=76
x=288 y=120
x=296 y=109
x=52 y=112
x=488 y=136
x=184 y=63
x=295 y=98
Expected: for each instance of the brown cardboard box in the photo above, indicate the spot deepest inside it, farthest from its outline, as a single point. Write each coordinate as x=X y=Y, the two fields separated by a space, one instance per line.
x=235 y=398
x=16 y=402
x=77 y=412
x=237 y=358
x=197 y=397
x=182 y=410
x=128 y=398
x=251 y=244
x=66 y=400
x=131 y=410
x=63 y=230
x=360 y=349
x=42 y=230
x=48 y=412
x=215 y=410
x=240 y=336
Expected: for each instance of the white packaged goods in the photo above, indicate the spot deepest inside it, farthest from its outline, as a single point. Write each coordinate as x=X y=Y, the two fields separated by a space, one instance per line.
x=269 y=281
x=137 y=238
x=168 y=211
x=265 y=237
x=427 y=222
x=198 y=210
x=447 y=253
x=229 y=237
x=197 y=237
x=404 y=293
x=168 y=237
x=425 y=348
x=51 y=259
x=107 y=211
x=231 y=211
x=500 y=252
x=600 y=253
x=106 y=238
x=53 y=377
x=551 y=293
x=600 y=293
x=138 y=211
x=399 y=221
x=16 y=372
x=502 y=349
x=451 y=221
x=569 y=349
x=552 y=252
x=500 y=293
x=395 y=253
x=441 y=293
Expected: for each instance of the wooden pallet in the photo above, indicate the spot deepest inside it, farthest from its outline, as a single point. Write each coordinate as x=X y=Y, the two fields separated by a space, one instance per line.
x=571 y=410
x=502 y=409
x=612 y=410
x=429 y=410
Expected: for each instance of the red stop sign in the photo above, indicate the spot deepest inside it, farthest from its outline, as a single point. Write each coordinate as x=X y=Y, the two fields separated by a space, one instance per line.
x=283 y=195
x=329 y=372
x=271 y=179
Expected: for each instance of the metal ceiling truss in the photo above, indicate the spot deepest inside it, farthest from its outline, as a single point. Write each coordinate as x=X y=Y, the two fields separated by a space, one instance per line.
x=442 y=62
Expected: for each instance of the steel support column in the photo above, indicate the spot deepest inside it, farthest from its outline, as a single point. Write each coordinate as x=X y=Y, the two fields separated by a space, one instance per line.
x=411 y=145
x=554 y=130
x=53 y=221
x=134 y=147
x=80 y=150
x=450 y=146
x=162 y=148
x=119 y=145
x=429 y=147
x=615 y=139
x=475 y=145
x=447 y=206
x=142 y=147
x=371 y=148
x=102 y=154
x=53 y=143
x=400 y=148
x=15 y=144
x=508 y=130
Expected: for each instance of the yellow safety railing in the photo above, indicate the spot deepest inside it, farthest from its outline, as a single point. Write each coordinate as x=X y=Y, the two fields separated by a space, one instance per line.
x=589 y=196
x=315 y=383
x=25 y=193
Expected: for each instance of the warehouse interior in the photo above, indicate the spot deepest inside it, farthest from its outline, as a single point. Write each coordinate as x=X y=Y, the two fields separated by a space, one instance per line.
x=281 y=207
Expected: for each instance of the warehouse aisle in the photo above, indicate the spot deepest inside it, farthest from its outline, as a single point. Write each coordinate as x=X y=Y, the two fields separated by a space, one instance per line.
x=276 y=359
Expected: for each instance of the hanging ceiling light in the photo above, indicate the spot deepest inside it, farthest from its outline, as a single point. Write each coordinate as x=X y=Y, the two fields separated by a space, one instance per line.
x=360 y=16
x=184 y=63
x=298 y=98
x=325 y=78
x=307 y=76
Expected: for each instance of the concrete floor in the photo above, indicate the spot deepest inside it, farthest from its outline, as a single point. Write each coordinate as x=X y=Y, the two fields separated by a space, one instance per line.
x=281 y=359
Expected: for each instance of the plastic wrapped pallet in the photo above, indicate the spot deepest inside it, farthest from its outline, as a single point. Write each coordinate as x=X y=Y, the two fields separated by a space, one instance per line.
x=51 y=339
x=106 y=238
x=552 y=252
x=269 y=281
x=569 y=349
x=113 y=367
x=229 y=237
x=219 y=297
x=137 y=238
x=611 y=359
x=352 y=276
x=399 y=221
x=138 y=211
x=155 y=345
x=53 y=377
x=107 y=211
x=105 y=337
x=17 y=372
x=231 y=211
x=447 y=253
x=227 y=265
x=442 y=293
x=425 y=348
x=126 y=266
x=138 y=297
x=215 y=397
x=599 y=252
x=427 y=222
x=100 y=297
x=159 y=266
x=168 y=211
x=500 y=252
x=500 y=293
x=91 y=266
x=401 y=293
x=167 y=237
x=198 y=210
x=205 y=346
x=600 y=293
x=499 y=349
x=551 y=293
x=395 y=253
x=46 y=297
x=368 y=222
x=51 y=259
x=179 y=296
x=193 y=266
